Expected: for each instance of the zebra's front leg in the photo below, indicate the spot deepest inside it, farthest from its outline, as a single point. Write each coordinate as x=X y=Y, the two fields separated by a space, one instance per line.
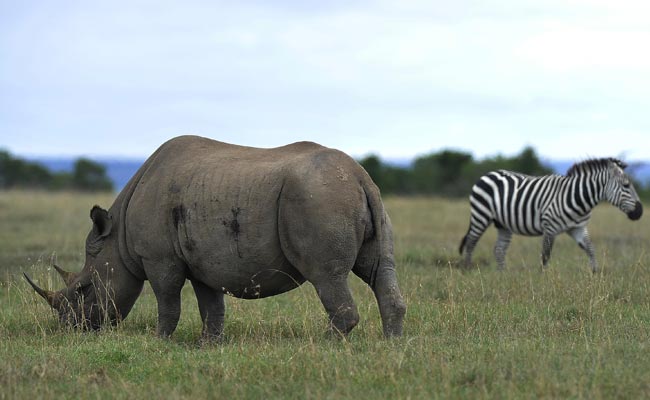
x=501 y=247
x=581 y=236
x=547 y=246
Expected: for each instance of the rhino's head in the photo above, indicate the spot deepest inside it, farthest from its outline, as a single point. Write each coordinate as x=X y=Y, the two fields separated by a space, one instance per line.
x=104 y=291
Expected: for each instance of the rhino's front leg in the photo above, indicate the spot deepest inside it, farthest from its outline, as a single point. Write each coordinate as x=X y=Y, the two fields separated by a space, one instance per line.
x=166 y=282
x=212 y=308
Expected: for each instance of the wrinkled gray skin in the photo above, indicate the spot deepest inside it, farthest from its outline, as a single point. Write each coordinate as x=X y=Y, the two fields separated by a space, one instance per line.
x=247 y=222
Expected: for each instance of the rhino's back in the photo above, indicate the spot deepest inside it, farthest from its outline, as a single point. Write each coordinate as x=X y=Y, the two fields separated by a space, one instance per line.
x=214 y=206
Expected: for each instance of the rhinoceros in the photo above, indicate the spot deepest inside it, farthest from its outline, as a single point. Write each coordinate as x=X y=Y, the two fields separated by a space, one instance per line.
x=235 y=220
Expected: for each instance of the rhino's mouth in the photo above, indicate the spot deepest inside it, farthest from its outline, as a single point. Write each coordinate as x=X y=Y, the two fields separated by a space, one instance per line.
x=86 y=319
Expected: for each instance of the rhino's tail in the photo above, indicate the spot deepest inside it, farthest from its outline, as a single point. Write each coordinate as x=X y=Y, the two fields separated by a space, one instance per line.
x=374 y=245
x=377 y=215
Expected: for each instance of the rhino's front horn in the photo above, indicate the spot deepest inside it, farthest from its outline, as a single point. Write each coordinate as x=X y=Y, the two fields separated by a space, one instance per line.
x=68 y=277
x=48 y=295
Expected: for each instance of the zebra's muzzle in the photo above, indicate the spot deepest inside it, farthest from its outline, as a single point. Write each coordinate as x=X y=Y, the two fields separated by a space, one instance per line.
x=637 y=212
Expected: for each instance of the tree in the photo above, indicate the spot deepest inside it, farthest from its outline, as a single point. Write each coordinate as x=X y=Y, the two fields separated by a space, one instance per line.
x=527 y=162
x=441 y=173
x=374 y=167
x=15 y=172
x=90 y=176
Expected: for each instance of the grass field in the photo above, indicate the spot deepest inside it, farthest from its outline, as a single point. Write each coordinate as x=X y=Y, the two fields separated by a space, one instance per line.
x=469 y=333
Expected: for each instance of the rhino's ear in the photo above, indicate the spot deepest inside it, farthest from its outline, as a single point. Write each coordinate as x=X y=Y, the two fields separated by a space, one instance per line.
x=102 y=221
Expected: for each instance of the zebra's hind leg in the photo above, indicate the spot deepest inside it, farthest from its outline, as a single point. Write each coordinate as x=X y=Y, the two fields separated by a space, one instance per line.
x=547 y=246
x=469 y=242
x=581 y=236
x=501 y=247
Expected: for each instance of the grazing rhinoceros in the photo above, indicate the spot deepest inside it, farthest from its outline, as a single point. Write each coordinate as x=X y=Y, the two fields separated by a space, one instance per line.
x=238 y=220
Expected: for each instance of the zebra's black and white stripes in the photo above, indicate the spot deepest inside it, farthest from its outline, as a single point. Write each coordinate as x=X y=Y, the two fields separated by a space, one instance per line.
x=547 y=205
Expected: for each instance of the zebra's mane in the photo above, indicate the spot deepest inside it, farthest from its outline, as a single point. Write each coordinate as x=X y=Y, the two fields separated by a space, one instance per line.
x=594 y=164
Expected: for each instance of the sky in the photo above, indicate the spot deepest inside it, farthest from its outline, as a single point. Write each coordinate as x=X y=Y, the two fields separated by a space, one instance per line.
x=394 y=78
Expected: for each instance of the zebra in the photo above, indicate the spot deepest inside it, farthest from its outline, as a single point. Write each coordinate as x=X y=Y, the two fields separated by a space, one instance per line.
x=547 y=205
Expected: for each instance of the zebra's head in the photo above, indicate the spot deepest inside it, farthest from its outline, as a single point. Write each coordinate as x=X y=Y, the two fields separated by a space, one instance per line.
x=619 y=190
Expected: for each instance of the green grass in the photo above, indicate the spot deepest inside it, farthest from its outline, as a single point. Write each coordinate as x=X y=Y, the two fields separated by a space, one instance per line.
x=469 y=333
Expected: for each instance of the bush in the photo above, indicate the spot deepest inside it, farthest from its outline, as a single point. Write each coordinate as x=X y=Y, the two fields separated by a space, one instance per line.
x=86 y=175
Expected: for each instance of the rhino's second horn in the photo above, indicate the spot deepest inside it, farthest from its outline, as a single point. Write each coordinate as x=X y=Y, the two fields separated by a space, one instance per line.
x=68 y=277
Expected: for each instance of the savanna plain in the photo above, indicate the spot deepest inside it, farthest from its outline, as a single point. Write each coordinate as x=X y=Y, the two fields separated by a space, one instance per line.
x=469 y=332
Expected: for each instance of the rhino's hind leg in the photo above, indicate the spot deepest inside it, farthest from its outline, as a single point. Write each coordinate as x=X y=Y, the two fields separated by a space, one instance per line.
x=337 y=300
x=212 y=308
x=391 y=304
x=321 y=229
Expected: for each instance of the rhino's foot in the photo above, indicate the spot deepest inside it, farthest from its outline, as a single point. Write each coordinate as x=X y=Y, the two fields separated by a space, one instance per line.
x=340 y=327
x=208 y=340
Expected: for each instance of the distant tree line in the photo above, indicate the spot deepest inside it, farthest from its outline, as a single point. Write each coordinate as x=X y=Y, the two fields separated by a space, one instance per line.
x=447 y=173
x=85 y=176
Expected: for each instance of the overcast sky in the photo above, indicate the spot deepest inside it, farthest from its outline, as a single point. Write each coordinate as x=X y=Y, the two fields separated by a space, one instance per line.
x=395 y=78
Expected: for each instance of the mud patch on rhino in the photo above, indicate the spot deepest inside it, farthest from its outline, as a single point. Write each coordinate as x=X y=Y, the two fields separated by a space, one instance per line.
x=342 y=174
x=234 y=223
x=234 y=228
x=178 y=215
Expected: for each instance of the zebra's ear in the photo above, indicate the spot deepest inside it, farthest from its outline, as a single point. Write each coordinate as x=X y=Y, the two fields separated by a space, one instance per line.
x=620 y=163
